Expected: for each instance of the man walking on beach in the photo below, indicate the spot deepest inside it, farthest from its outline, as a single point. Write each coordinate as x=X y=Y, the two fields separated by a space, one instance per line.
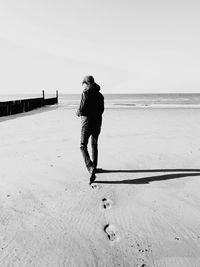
x=90 y=109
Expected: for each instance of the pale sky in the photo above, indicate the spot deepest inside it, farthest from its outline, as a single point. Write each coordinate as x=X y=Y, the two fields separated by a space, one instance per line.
x=130 y=46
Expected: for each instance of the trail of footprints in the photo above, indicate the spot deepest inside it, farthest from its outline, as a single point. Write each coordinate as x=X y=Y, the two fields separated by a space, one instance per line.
x=112 y=234
x=109 y=229
x=141 y=253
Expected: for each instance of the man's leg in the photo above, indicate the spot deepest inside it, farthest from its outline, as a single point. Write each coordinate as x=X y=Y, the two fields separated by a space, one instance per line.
x=84 y=142
x=94 y=145
x=96 y=129
x=85 y=135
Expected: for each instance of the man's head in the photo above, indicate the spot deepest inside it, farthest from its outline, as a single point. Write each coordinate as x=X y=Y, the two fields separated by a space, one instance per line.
x=88 y=80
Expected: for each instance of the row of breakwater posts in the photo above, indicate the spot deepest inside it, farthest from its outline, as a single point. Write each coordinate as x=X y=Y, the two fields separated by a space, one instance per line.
x=20 y=106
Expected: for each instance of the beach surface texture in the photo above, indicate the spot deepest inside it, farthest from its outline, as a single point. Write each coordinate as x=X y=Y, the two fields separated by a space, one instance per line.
x=143 y=210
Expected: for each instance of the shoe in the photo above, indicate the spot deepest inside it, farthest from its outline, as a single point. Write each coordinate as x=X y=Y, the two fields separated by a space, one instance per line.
x=92 y=179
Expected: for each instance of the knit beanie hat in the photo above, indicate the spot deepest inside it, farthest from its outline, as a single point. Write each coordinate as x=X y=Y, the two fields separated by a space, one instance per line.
x=88 y=80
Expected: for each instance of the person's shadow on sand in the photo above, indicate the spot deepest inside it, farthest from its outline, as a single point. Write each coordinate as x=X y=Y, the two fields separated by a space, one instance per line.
x=145 y=180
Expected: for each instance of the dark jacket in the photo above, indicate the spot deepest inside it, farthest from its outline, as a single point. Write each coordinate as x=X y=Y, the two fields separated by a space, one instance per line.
x=92 y=102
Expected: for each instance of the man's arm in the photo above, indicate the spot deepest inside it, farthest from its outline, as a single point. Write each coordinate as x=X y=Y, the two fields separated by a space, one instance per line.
x=102 y=104
x=82 y=105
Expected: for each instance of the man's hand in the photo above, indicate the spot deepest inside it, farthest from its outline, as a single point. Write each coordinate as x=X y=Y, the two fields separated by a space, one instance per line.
x=78 y=113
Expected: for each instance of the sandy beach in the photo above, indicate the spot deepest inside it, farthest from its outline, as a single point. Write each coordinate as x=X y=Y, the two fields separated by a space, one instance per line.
x=143 y=210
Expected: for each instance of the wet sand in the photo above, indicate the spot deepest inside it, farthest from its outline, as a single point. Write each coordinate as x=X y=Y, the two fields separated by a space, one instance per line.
x=143 y=210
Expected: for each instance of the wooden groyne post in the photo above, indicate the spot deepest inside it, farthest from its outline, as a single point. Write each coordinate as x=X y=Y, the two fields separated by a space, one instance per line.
x=50 y=101
x=57 y=95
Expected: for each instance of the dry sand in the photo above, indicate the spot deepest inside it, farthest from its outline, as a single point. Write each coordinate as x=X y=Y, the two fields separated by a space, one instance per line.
x=143 y=211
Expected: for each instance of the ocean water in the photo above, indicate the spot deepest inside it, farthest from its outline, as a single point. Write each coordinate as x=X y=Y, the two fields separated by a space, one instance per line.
x=121 y=101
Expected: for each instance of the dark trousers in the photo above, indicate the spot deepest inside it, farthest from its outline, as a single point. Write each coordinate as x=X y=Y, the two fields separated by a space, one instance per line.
x=90 y=127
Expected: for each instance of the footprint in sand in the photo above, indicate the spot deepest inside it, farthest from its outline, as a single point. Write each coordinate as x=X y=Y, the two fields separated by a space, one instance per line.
x=106 y=203
x=95 y=186
x=111 y=232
